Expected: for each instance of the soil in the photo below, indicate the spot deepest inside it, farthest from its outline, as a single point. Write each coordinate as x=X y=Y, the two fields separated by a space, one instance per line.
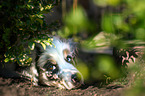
x=19 y=87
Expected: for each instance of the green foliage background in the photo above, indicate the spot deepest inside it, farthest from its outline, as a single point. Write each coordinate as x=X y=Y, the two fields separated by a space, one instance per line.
x=122 y=27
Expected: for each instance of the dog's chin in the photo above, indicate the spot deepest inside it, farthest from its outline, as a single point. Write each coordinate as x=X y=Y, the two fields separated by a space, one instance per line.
x=68 y=85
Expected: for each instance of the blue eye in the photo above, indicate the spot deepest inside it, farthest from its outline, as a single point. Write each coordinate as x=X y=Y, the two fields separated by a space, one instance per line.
x=69 y=58
x=52 y=67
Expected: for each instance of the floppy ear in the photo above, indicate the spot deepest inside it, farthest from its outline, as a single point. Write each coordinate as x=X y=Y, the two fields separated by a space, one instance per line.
x=38 y=50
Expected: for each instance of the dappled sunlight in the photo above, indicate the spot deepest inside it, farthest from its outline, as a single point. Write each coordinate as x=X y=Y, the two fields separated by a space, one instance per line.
x=109 y=37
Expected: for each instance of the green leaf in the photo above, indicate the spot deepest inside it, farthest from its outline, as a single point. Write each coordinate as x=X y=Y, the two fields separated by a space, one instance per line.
x=31 y=45
x=43 y=45
x=34 y=28
x=6 y=60
x=40 y=21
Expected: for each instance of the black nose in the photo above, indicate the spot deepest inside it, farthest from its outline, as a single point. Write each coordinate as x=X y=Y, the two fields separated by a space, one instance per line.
x=76 y=79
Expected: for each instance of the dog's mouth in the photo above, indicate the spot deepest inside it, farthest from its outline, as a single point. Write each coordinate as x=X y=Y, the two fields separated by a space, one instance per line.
x=72 y=81
x=71 y=85
x=77 y=80
x=67 y=85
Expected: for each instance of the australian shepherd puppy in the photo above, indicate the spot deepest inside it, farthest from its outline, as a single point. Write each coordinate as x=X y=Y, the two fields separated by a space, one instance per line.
x=54 y=65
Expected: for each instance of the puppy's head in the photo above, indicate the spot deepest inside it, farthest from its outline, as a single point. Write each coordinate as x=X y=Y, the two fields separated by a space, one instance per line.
x=56 y=66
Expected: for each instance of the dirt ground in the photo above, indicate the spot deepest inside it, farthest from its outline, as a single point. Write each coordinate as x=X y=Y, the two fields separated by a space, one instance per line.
x=17 y=87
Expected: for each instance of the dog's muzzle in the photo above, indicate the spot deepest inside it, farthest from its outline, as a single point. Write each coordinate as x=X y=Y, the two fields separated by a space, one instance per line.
x=71 y=78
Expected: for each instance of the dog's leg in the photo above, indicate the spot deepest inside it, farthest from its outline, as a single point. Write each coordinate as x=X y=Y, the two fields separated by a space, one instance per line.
x=32 y=72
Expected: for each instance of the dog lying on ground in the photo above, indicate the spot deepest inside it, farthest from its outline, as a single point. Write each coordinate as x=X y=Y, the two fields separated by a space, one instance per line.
x=54 y=65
